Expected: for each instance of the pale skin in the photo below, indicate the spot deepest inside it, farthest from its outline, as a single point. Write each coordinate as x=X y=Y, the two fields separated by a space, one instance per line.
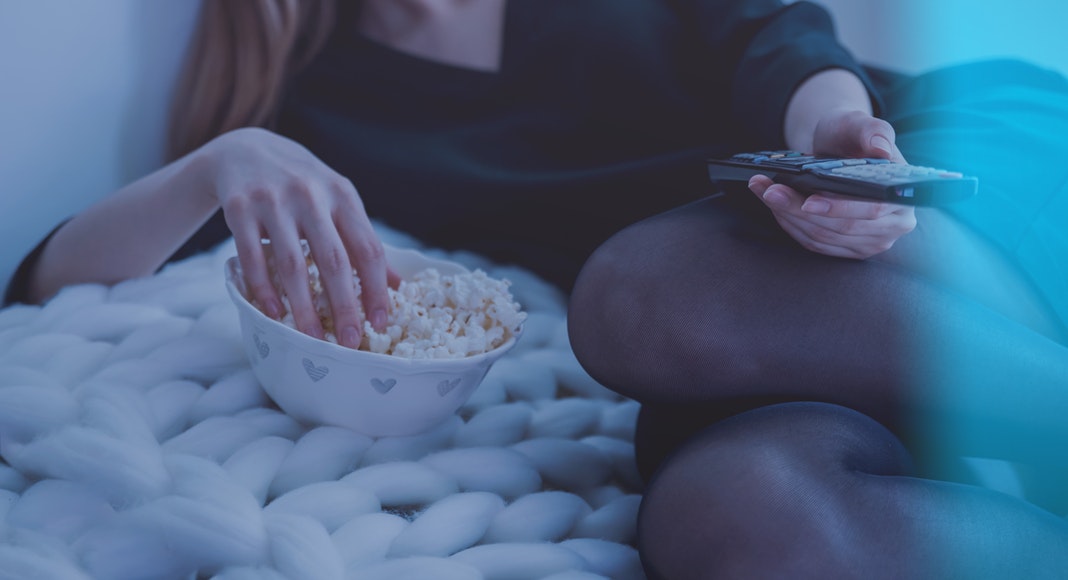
x=268 y=187
x=271 y=187
x=831 y=113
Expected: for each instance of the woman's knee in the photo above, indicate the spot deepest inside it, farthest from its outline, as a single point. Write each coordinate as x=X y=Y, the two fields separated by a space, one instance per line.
x=765 y=492
x=613 y=308
x=647 y=306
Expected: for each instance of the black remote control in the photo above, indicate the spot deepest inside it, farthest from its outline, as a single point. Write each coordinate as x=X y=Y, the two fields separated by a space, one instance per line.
x=875 y=179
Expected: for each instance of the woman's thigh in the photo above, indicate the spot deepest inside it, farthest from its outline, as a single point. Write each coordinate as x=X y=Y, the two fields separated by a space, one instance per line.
x=1004 y=122
x=809 y=490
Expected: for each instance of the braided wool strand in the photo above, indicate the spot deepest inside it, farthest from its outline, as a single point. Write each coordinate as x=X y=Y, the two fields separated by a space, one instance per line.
x=136 y=443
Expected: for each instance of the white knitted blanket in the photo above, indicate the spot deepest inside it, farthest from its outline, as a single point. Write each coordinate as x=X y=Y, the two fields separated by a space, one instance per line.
x=137 y=444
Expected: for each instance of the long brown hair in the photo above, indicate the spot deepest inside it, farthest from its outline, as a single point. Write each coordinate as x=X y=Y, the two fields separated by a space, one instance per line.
x=242 y=54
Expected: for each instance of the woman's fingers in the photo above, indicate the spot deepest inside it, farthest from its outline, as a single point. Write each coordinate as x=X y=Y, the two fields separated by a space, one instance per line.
x=292 y=268
x=835 y=225
x=822 y=239
x=856 y=134
x=885 y=222
x=250 y=253
x=392 y=278
x=335 y=275
x=366 y=255
x=270 y=186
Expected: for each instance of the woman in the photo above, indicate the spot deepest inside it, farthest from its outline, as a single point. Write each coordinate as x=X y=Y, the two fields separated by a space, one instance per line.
x=530 y=131
x=805 y=416
x=550 y=129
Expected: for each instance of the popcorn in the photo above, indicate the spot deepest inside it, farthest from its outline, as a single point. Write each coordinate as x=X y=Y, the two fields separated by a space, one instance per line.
x=430 y=316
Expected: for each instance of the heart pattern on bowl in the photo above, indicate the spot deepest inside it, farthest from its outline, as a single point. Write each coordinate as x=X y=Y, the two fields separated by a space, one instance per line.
x=383 y=385
x=315 y=373
x=261 y=345
x=445 y=387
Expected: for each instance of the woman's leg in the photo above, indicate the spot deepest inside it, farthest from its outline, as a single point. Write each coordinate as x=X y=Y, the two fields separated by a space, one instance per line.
x=810 y=490
x=710 y=302
x=700 y=309
x=953 y=341
x=1003 y=121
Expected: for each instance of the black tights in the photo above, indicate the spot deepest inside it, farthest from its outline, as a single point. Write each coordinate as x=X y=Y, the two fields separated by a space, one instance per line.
x=813 y=490
x=781 y=390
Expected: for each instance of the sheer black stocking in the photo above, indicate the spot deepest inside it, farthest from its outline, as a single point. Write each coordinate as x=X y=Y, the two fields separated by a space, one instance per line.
x=711 y=302
x=810 y=490
x=710 y=311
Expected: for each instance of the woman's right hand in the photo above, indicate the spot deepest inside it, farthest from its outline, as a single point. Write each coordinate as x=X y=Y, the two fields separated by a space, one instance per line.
x=271 y=187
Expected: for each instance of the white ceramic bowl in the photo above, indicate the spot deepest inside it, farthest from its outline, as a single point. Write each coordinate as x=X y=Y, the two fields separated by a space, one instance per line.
x=316 y=381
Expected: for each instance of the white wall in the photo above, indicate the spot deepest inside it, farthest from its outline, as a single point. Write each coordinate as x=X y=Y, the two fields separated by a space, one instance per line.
x=84 y=87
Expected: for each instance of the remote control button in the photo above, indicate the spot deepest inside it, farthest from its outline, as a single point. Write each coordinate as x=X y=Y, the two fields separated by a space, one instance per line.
x=854 y=161
x=794 y=161
x=854 y=170
x=950 y=175
x=823 y=165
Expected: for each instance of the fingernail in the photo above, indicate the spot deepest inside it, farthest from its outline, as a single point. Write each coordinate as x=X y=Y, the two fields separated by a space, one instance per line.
x=817 y=206
x=378 y=319
x=882 y=144
x=775 y=198
x=274 y=310
x=350 y=336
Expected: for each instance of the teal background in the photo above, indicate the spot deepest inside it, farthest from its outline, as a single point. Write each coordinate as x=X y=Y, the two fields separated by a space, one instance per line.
x=916 y=35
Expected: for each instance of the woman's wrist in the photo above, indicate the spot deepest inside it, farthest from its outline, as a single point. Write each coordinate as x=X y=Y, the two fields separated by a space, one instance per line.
x=199 y=172
x=128 y=234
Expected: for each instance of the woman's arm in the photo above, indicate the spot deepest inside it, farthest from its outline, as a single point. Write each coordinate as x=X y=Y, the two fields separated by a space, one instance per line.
x=793 y=84
x=128 y=234
x=268 y=187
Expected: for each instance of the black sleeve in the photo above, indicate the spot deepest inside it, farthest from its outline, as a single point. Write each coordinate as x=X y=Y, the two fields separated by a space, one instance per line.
x=207 y=237
x=18 y=289
x=765 y=49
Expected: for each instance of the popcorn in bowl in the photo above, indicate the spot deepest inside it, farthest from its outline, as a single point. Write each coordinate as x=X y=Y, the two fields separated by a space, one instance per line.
x=431 y=315
x=446 y=329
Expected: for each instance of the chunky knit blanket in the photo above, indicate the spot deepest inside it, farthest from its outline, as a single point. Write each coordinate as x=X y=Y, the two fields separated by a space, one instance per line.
x=137 y=444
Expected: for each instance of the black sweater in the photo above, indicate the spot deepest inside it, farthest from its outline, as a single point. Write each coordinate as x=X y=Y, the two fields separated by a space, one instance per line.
x=602 y=113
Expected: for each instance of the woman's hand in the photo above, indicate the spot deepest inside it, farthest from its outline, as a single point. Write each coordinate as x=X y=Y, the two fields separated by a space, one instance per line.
x=838 y=225
x=271 y=187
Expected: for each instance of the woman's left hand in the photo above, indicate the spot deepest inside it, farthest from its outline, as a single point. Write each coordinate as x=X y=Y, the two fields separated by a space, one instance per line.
x=838 y=225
